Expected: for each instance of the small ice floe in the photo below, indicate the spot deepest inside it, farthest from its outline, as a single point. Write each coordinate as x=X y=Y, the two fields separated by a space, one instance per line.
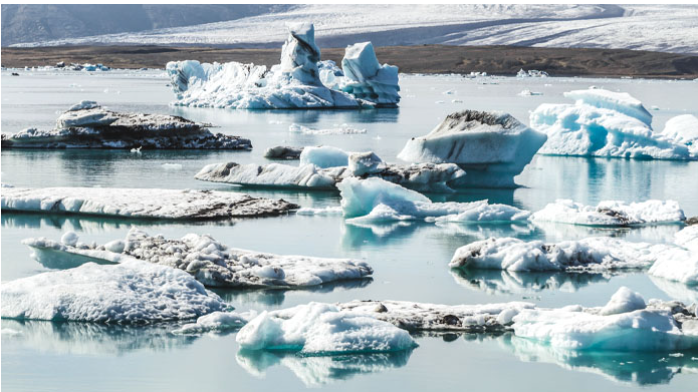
x=531 y=73
x=209 y=261
x=491 y=147
x=142 y=203
x=626 y=324
x=375 y=200
x=324 y=157
x=681 y=264
x=322 y=329
x=301 y=80
x=132 y=291
x=603 y=123
x=611 y=213
x=598 y=254
x=216 y=322
x=88 y=125
x=529 y=93
x=172 y=166
x=343 y=129
x=283 y=153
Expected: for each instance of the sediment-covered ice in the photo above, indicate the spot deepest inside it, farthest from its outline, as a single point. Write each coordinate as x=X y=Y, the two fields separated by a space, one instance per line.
x=591 y=254
x=626 y=323
x=132 y=291
x=491 y=147
x=209 y=261
x=611 y=213
x=604 y=124
x=141 y=203
x=318 y=329
x=294 y=83
x=284 y=153
x=376 y=200
x=88 y=125
x=683 y=130
x=324 y=157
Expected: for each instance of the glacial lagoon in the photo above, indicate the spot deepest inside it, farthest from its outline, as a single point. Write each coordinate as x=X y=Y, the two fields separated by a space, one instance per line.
x=410 y=259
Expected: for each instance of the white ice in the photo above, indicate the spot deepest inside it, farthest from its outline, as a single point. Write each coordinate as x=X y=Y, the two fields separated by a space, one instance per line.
x=324 y=156
x=491 y=147
x=681 y=264
x=683 y=130
x=620 y=102
x=216 y=321
x=611 y=213
x=342 y=129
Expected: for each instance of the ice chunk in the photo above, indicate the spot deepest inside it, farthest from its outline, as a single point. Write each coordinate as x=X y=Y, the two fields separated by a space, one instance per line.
x=141 y=203
x=322 y=329
x=64 y=255
x=623 y=301
x=531 y=73
x=611 y=213
x=619 y=102
x=216 y=321
x=324 y=156
x=362 y=163
x=69 y=238
x=683 y=130
x=130 y=292
x=681 y=264
x=88 y=125
x=376 y=200
x=343 y=129
x=285 y=153
x=591 y=254
x=491 y=147
x=366 y=78
x=211 y=262
x=688 y=237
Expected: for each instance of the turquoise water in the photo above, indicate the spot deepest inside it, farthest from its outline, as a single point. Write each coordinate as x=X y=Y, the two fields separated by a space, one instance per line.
x=410 y=260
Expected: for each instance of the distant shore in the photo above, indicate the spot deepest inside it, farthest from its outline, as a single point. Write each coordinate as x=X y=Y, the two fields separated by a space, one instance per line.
x=429 y=59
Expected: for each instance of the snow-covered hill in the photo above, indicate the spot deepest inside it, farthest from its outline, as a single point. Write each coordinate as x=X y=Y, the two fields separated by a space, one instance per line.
x=647 y=27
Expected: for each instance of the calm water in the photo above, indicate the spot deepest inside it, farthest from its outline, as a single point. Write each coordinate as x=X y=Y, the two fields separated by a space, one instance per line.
x=410 y=261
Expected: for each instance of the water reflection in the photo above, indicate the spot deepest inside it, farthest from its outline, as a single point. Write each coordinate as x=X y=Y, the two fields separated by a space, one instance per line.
x=496 y=282
x=315 y=371
x=78 y=338
x=677 y=290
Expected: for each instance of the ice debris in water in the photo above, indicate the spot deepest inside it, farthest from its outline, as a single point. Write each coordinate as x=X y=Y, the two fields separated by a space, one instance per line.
x=605 y=124
x=88 y=125
x=626 y=323
x=141 y=203
x=531 y=73
x=590 y=254
x=681 y=264
x=130 y=292
x=294 y=83
x=611 y=213
x=343 y=129
x=319 y=329
x=209 y=261
x=376 y=200
x=491 y=147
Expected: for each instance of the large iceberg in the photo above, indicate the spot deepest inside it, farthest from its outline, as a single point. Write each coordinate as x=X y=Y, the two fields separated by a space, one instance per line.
x=376 y=200
x=141 y=203
x=293 y=84
x=318 y=329
x=130 y=292
x=604 y=124
x=88 y=125
x=491 y=147
x=209 y=261
x=611 y=213
x=591 y=254
x=626 y=323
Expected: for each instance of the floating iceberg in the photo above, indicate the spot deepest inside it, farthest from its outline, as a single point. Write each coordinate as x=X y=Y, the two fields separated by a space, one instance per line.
x=611 y=213
x=130 y=292
x=591 y=254
x=141 y=203
x=491 y=147
x=322 y=329
x=88 y=125
x=681 y=264
x=626 y=323
x=376 y=200
x=294 y=83
x=324 y=157
x=283 y=153
x=683 y=130
x=604 y=124
x=209 y=261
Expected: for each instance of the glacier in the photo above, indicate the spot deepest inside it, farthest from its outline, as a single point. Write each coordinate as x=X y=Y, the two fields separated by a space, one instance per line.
x=603 y=123
x=591 y=254
x=611 y=213
x=295 y=83
x=207 y=260
x=141 y=203
x=88 y=125
x=132 y=291
x=492 y=147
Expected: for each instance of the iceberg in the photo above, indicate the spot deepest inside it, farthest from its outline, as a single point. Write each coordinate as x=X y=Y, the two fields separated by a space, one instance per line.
x=295 y=83
x=595 y=254
x=322 y=329
x=491 y=147
x=141 y=203
x=206 y=259
x=271 y=175
x=680 y=264
x=683 y=130
x=283 y=153
x=324 y=157
x=88 y=125
x=611 y=213
x=625 y=324
x=377 y=200
x=602 y=123
x=132 y=291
